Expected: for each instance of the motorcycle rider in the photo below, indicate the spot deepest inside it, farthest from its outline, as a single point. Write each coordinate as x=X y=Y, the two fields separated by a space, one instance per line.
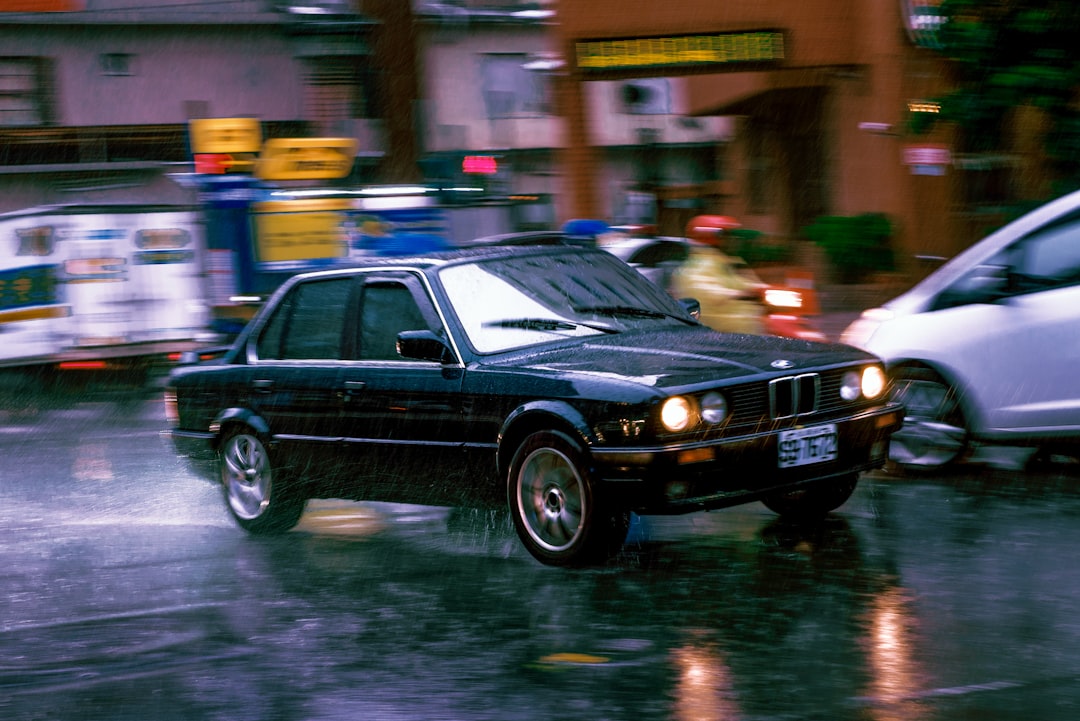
x=730 y=293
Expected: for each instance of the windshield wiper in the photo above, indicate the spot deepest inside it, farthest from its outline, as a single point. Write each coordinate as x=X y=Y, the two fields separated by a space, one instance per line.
x=551 y=324
x=631 y=311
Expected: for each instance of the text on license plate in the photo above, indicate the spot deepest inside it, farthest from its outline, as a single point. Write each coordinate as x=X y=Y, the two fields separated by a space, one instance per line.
x=801 y=446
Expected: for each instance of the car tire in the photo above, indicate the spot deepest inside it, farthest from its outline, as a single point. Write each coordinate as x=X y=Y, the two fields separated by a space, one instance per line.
x=557 y=512
x=935 y=432
x=813 y=501
x=257 y=495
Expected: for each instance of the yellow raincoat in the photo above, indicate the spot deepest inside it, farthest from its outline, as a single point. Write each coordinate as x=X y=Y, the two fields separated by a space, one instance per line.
x=729 y=292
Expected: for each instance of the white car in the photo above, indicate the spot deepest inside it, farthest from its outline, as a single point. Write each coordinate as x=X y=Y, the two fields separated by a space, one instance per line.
x=987 y=348
x=655 y=258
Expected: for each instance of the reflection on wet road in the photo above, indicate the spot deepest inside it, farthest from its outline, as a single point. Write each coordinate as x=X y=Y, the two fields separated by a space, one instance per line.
x=130 y=594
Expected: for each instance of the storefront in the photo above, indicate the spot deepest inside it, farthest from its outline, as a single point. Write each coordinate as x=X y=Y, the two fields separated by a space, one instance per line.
x=821 y=94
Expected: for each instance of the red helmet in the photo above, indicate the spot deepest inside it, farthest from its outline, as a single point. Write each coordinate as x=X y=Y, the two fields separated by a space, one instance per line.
x=710 y=228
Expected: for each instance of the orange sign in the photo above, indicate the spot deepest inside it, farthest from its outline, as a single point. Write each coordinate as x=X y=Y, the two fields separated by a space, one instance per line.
x=306 y=158
x=225 y=135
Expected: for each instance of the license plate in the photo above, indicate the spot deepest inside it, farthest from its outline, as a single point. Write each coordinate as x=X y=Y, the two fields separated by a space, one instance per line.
x=803 y=446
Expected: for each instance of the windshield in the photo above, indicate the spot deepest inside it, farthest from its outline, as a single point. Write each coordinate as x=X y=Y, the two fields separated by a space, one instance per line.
x=514 y=302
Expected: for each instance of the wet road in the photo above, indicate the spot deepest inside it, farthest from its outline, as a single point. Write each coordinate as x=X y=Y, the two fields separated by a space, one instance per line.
x=128 y=593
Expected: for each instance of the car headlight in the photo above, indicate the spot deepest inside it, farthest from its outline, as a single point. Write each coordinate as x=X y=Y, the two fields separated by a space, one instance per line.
x=850 y=386
x=863 y=328
x=873 y=381
x=714 y=408
x=675 y=414
x=869 y=383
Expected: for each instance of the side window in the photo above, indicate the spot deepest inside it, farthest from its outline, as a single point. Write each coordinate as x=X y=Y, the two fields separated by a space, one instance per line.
x=386 y=309
x=309 y=324
x=1052 y=258
x=269 y=345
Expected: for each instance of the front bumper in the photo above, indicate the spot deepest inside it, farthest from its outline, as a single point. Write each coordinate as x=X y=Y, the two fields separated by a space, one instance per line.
x=686 y=477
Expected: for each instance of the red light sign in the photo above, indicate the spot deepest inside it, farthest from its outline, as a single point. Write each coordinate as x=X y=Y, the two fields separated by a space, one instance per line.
x=220 y=163
x=479 y=165
x=212 y=163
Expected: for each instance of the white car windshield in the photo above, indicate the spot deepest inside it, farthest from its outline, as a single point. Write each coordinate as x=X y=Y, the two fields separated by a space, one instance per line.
x=514 y=302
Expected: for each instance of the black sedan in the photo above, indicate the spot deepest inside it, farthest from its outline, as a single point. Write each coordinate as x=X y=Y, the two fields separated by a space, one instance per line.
x=556 y=380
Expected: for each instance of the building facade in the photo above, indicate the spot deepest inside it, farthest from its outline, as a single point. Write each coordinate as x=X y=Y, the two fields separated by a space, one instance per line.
x=97 y=98
x=489 y=70
x=820 y=95
x=99 y=94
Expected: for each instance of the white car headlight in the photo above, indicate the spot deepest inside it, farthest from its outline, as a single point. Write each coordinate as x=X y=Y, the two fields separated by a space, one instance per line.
x=863 y=328
x=675 y=414
x=873 y=381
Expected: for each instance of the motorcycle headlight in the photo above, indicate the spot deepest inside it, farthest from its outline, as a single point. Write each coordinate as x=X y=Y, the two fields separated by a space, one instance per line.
x=783 y=298
x=676 y=413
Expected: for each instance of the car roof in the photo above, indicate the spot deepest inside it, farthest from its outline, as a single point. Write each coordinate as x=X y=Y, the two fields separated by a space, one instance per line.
x=510 y=246
x=627 y=246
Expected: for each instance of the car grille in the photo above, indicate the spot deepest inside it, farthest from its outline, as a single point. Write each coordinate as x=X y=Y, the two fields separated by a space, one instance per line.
x=794 y=396
x=788 y=397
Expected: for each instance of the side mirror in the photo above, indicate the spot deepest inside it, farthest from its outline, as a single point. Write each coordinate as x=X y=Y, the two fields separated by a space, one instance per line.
x=423 y=345
x=984 y=284
x=692 y=306
x=188 y=358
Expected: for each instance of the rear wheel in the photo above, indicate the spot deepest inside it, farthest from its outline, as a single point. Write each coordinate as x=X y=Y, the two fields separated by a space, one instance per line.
x=935 y=432
x=554 y=504
x=258 y=496
x=813 y=501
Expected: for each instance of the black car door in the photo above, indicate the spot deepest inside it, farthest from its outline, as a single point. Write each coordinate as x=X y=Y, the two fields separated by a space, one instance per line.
x=400 y=418
x=293 y=371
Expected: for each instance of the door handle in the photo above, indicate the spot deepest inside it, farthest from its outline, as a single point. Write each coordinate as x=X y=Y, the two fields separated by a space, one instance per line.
x=350 y=388
x=262 y=385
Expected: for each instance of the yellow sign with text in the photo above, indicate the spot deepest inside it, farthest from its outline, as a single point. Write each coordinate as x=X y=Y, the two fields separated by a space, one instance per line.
x=300 y=230
x=225 y=135
x=306 y=158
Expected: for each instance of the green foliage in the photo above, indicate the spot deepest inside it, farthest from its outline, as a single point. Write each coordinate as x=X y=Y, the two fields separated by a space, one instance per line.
x=1006 y=54
x=855 y=245
x=755 y=248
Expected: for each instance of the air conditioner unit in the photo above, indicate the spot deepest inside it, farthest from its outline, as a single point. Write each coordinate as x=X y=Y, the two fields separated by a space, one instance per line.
x=644 y=96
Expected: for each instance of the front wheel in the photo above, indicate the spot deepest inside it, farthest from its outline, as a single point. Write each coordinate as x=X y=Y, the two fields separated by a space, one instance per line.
x=555 y=507
x=935 y=432
x=814 y=501
x=257 y=495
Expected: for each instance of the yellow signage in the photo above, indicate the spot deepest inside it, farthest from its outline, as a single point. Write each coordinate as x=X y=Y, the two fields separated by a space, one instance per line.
x=300 y=230
x=225 y=135
x=680 y=51
x=306 y=158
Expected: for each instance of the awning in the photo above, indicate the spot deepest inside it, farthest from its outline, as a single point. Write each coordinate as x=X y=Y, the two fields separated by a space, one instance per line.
x=736 y=93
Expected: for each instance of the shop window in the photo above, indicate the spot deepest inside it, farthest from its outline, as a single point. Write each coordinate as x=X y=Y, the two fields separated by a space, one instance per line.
x=118 y=64
x=510 y=90
x=338 y=89
x=26 y=91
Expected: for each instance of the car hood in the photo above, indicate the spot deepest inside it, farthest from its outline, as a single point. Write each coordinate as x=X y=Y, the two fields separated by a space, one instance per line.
x=685 y=357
